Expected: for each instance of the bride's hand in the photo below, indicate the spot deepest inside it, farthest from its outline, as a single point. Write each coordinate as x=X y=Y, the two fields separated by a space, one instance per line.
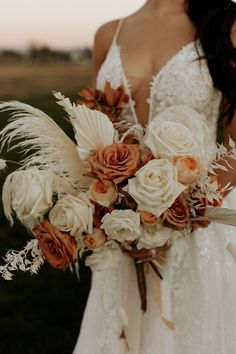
x=147 y=255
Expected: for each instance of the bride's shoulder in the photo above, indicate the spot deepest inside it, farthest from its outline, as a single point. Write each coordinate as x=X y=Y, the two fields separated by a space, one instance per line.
x=105 y=34
x=102 y=42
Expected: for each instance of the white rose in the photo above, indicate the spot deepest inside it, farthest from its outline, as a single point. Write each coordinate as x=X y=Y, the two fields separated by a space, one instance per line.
x=103 y=192
x=104 y=257
x=122 y=225
x=155 y=186
x=29 y=193
x=177 y=131
x=73 y=214
x=156 y=239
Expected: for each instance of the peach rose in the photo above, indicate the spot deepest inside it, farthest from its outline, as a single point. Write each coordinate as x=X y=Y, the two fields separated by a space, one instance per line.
x=148 y=218
x=116 y=162
x=103 y=192
x=59 y=249
x=98 y=238
x=178 y=214
x=189 y=169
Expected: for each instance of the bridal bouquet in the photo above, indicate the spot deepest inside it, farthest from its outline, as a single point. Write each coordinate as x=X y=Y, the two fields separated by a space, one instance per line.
x=119 y=188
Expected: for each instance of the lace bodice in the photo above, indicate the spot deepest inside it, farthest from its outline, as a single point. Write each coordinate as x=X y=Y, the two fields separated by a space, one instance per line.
x=182 y=74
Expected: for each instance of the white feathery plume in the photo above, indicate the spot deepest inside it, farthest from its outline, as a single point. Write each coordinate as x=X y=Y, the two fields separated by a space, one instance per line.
x=93 y=129
x=3 y=164
x=6 y=198
x=30 y=128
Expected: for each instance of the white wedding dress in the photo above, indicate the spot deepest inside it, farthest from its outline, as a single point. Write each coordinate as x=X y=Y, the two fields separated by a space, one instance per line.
x=199 y=286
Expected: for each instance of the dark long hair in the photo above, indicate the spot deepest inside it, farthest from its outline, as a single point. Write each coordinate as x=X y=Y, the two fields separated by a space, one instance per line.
x=214 y=20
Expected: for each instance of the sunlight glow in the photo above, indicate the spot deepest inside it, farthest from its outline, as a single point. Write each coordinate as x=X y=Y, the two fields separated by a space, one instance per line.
x=59 y=23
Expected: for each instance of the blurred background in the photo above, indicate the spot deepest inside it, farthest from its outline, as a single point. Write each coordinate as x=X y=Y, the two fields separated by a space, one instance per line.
x=45 y=45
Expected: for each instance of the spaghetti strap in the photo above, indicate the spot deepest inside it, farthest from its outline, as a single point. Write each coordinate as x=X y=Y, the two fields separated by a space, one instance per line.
x=117 y=30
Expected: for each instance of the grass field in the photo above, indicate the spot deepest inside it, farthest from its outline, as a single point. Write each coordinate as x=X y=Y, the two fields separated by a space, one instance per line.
x=39 y=314
x=24 y=81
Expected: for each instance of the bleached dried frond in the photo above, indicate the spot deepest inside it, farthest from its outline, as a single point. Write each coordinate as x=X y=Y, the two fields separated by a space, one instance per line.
x=65 y=102
x=221 y=215
x=130 y=129
x=222 y=156
x=93 y=129
x=29 y=259
x=30 y=128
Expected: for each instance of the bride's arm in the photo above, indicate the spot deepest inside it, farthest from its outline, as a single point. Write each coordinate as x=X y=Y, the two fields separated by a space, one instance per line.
x=229 y=130
x=229 y=176
x=102 y=41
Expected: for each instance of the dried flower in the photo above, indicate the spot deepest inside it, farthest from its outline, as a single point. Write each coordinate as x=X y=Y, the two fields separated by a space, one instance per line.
x=110 y=101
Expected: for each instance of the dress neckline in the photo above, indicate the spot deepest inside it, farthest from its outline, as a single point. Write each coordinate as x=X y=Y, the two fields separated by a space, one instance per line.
x=154 y=80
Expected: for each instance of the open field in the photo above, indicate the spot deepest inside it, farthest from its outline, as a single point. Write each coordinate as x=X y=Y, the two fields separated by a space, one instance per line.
x=39 y=314
x=22 y=81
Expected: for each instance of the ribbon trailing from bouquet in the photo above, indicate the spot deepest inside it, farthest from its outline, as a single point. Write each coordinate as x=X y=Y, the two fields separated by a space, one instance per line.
x=141 y=277
x=157 y=284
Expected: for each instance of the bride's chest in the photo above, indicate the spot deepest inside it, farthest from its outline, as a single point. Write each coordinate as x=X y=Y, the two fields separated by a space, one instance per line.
x=183 y=80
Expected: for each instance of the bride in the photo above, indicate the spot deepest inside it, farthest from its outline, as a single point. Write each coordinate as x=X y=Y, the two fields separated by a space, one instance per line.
x=171 y=52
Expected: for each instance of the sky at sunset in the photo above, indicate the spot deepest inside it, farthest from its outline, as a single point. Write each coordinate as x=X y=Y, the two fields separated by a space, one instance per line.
x=58 y=23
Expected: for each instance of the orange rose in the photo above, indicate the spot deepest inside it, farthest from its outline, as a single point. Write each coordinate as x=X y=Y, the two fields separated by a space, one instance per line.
x=148 y=218
x=59 y=249
x=103 y=192
x=189 y=169
x=116 y=162
x=98 y=238
x=178 y=214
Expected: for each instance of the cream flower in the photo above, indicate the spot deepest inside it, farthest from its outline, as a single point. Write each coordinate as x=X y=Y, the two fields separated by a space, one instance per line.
x=103 y=192
x=158 y=238
x=122 y=225
x=31 y=193
x=73 y=214
x=177 y=131
x=155 y=186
